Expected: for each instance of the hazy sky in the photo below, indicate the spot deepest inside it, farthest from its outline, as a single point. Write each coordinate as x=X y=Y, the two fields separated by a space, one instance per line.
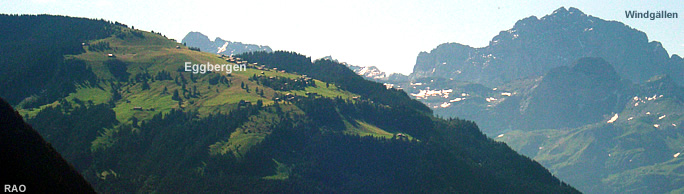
x=385 y=33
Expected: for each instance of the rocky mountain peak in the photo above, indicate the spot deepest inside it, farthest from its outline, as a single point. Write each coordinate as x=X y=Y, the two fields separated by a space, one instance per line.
x=562 y=12
x=219 y=45
x=534 y=46
x=197 y=37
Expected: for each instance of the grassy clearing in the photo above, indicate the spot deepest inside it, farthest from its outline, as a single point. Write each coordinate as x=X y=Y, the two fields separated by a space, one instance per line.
x=31 y=112
x=105 y=140
x=361 y=128
x=94 y=94
x=282 y=171
x=331 y=92
x=97 y=95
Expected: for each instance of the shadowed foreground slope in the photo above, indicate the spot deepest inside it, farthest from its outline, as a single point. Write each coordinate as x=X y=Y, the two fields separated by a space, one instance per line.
x=28 y=160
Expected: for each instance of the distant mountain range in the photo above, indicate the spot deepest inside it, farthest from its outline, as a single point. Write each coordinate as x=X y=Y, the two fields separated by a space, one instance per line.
x=368 y=72
x=536 y=45
x=220 y=46
x=592 y=100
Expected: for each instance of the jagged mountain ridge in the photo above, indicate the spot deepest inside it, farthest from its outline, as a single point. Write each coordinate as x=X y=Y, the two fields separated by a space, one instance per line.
x=535 y=45
x=220 y=46
x=371 y=72
x=368 y=72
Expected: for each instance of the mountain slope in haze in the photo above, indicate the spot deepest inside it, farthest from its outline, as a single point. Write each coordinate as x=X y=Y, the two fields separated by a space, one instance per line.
x=535 y=45
x=564 y=97
x=220 y=46
x=28 y=160
x=285 y=123
x=573 y=96
x=590 y=127
x=635 y=149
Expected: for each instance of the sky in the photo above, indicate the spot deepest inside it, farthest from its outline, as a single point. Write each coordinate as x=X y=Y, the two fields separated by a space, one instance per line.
x=388 y=34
